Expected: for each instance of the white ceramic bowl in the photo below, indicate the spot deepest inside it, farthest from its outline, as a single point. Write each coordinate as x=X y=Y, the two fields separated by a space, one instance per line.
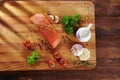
x=83 y=34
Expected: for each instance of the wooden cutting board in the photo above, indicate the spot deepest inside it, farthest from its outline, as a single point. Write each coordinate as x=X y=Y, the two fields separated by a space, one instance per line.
x=16 y=27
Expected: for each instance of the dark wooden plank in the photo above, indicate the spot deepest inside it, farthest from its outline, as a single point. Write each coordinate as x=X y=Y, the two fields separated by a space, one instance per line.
x=107 y=35
x=107 y=7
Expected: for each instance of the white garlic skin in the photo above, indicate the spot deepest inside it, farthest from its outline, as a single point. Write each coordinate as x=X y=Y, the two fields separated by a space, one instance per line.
x=77 y=49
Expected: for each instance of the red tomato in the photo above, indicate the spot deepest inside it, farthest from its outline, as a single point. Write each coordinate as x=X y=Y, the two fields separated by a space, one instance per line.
x=27 y=44
x=51 y=64
x=62 y=62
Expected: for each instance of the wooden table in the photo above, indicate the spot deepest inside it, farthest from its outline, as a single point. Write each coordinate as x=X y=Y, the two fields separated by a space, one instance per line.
x=108 y=54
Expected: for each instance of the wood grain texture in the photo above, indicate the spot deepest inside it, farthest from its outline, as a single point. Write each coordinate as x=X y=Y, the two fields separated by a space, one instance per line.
x=108 y=45
x=20 y=28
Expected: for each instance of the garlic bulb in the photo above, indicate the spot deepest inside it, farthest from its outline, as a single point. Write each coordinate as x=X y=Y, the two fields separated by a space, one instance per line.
x=77 y=49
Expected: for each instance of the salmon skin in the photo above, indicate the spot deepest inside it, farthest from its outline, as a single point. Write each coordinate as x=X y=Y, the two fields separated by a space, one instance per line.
x=46 y=30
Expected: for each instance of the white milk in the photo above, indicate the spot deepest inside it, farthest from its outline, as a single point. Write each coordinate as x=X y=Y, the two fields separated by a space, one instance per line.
x=84 y=34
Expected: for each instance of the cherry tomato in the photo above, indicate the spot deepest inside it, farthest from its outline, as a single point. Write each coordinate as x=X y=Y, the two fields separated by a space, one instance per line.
x=51 y=64
x=62 y=62
x=27 y=44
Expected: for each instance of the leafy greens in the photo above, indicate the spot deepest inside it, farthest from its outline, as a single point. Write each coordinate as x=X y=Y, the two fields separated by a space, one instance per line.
x=33 y=58
x=70 y=23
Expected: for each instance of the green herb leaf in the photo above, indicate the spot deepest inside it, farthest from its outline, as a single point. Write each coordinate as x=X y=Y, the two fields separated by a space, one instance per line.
x=65 y=20
x=70 y=23
x=85 y=63
x=69 y=30
x=77 y=16
x=74 y=21
x=33 y=58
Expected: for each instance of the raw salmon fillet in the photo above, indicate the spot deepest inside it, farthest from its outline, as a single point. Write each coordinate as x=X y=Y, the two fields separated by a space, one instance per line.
x=50 y=35
x=46 y=30
x=40 y=19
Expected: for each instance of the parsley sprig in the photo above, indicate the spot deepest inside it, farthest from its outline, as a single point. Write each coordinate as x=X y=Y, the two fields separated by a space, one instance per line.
x=70 y=23
x=33 y=58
